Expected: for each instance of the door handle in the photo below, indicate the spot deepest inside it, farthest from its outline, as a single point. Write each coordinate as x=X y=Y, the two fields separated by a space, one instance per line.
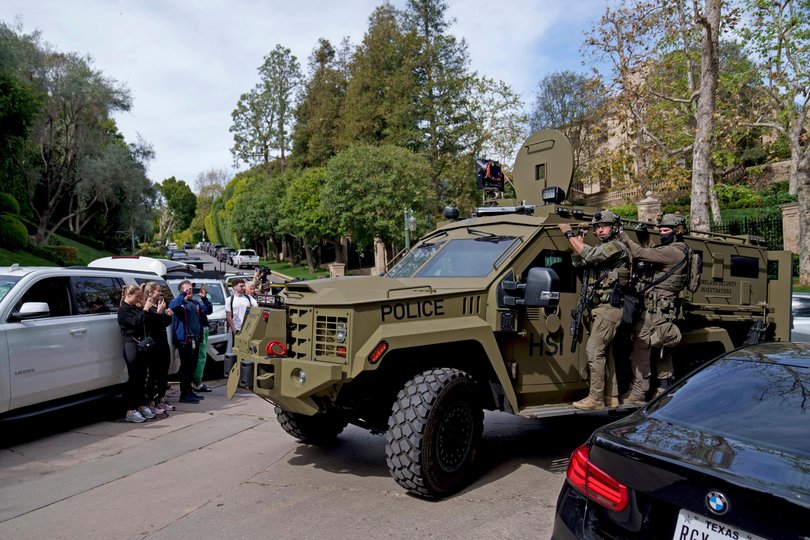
x=78 y=331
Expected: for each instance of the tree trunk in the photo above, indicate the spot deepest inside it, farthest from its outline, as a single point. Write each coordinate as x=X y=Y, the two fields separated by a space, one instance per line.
x=714 y=203
x=704 y=115
x=310 y=263
x=802 y=176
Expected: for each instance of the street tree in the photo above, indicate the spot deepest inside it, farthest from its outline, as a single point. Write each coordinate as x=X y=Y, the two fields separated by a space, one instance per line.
x=381 y=95
x=179 y=206
x=281 y=77
x=253 y=127
x=318 y=113
x=778 y=35
x=368 y=188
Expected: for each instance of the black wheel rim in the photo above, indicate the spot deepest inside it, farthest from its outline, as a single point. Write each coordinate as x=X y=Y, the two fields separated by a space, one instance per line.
x=455 y=437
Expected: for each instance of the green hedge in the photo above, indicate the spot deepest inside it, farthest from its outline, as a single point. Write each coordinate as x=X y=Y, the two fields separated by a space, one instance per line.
x=61 y=255
x=9 y=204
x=13 y=234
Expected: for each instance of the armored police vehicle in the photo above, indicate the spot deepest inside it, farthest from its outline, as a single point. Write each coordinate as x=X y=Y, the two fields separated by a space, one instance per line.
x=478 y=315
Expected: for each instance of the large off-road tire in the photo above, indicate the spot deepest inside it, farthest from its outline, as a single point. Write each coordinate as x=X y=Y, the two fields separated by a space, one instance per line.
x=319 y=429
x=433 y=433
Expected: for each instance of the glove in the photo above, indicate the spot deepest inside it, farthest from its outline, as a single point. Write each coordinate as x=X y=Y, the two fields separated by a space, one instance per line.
x=564 y=227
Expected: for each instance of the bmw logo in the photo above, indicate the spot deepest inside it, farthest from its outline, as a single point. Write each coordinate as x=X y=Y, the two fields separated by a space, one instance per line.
x=717 y=503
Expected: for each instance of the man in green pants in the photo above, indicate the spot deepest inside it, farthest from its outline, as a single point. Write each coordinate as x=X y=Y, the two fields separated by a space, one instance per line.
x=197 y=385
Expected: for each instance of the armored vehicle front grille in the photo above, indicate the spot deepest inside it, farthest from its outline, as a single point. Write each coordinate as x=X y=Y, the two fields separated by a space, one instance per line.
x=300 y=326
x=533 y=314
x=326 y=342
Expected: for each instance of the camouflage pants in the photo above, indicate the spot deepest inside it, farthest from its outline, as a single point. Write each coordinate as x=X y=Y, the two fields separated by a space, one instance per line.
x=606 y=320
x=650 y=322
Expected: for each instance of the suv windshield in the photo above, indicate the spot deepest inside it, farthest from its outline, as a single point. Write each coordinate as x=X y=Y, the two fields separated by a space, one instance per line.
x=6 y=284
x=469 y=257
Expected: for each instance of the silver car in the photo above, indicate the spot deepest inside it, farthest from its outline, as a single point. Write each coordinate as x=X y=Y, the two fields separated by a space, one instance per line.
x=800 y=311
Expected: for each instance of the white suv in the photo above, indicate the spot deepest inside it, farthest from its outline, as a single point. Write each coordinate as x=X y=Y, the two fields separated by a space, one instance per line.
x=60 y=343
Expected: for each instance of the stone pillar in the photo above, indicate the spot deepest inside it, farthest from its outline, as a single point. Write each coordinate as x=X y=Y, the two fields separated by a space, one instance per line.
x=380 y=256
x=337 y=269
x=790 y=226
x=649 y=208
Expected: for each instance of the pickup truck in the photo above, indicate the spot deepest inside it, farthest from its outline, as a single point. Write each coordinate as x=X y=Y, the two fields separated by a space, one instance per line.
x=245 y=257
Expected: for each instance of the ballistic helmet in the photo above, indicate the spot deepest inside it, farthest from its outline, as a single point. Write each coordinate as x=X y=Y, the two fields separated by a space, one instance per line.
x=673 y=221
x=606 y=216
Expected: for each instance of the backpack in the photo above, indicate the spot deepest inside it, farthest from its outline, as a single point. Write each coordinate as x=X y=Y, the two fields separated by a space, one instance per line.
x=694 y=269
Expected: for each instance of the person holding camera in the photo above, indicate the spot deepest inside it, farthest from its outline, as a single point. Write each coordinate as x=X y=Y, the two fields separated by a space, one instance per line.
x=187 y=335
x=237 y=305
x=133 y=314
x=158 y=358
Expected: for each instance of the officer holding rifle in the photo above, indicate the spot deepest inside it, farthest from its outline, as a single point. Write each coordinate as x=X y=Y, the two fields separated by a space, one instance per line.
x=609 y=263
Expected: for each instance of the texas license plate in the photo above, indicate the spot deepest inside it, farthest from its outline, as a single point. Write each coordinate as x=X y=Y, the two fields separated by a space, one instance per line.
x=692 y=526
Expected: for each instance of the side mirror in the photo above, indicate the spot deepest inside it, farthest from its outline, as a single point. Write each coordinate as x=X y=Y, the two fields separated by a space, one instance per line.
x=542 y=288
x=31 y=310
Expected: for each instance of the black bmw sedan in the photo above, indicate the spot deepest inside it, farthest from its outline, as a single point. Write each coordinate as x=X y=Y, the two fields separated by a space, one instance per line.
x=724 y=454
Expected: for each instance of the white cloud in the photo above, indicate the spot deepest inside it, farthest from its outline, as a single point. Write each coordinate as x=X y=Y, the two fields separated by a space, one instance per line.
x=186 y=63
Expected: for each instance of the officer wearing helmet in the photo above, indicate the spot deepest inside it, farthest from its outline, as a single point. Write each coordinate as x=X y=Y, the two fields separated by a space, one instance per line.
x=610 y=265
x=659 y=290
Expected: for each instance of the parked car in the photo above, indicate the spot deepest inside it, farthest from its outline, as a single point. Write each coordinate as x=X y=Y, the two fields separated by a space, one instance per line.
x=723 y=454
x=219 y=338
x=245 y=258
x=61 y=341
x=224 y=253
x=188 y=245
x=800 y=310
x=178 y=255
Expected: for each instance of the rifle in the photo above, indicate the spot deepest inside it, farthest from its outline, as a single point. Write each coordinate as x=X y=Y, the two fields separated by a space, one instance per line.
x=576 y=313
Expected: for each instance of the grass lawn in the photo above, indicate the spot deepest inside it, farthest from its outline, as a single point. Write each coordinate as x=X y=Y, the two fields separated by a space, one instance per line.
x=23 y=258
x=301 y=272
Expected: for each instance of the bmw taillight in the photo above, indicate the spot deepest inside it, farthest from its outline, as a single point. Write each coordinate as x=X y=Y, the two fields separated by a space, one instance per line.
x=595 y=483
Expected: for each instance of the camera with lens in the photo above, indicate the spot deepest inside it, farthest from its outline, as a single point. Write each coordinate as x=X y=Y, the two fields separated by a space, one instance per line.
x=264 y=273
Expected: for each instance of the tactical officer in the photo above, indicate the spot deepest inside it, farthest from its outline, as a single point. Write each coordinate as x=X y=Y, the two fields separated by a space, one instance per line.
x=610 y=266
x=660 y=290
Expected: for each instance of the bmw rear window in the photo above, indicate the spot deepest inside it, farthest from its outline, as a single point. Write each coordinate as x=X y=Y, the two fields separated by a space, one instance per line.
x=763 y=403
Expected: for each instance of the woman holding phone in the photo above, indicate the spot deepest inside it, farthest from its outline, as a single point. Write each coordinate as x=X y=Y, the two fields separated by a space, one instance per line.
x=157 y=359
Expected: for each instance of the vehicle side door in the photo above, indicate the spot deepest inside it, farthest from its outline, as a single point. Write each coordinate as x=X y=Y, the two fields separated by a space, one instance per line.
x=46 y=354
x=96 y=302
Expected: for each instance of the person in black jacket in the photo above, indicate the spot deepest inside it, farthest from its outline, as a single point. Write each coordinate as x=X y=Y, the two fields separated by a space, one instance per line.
x=132 y=316
x=158 y=359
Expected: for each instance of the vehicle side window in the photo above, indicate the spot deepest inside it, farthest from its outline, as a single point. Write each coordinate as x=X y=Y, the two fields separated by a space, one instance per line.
x=54 y=290
x=96 y=294
x=560 y=262
x=164 y=287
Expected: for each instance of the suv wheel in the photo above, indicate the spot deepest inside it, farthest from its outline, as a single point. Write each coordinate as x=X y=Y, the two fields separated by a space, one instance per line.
x=319 y=429
x=433 y=433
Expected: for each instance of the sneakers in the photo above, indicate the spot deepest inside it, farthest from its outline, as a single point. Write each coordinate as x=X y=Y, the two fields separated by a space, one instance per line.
x=199 y=398
x=589 y=404
x=158 y=409
x=167 y=406
x=611 y=401
x=146 y=412
x=189 y=399
x=201 y=387
x=134 y=416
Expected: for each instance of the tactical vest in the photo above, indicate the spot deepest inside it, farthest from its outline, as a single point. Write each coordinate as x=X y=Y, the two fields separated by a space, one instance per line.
x=612 y=272
x=677 y=281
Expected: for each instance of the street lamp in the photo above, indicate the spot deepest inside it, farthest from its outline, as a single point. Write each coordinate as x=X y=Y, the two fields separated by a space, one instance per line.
x=410 y=227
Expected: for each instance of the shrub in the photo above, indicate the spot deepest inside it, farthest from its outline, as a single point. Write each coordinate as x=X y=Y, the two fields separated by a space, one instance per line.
x=626 y=210
x=61 y=255
x=13 y=234
x=737 y=196
x=9 y=204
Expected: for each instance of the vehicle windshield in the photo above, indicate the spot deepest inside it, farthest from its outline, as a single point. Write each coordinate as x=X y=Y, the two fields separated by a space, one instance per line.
x=469 y=257
x=6 y=284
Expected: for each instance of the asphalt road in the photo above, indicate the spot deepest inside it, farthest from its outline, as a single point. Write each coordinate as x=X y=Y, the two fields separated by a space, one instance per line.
x=226 y=469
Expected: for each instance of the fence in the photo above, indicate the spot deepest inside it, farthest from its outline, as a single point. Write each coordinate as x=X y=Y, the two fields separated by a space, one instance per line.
x=767 y=227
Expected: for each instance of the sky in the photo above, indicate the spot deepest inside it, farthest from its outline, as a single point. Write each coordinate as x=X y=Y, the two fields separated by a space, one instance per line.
x=186 y=63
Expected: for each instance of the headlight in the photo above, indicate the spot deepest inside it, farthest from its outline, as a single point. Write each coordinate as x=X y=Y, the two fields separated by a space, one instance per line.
x=298 y=376
x=340 y=332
